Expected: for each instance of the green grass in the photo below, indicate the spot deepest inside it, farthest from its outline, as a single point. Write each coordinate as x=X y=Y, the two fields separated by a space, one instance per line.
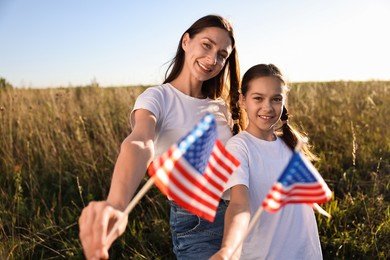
x=58 y=148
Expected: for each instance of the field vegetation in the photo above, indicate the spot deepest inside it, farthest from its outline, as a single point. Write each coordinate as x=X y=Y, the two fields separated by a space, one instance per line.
x=58 y=147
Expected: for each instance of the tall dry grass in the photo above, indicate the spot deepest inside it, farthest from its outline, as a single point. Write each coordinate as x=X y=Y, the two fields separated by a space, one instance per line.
x=58 y=148
x=347 y=124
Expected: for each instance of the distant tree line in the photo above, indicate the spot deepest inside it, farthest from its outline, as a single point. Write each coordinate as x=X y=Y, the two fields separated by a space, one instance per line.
x=4 y=84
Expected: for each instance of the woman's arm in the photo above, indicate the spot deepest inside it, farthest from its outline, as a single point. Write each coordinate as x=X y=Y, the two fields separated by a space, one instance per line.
x=97 y=219
x=236 y=223
x=137 y=152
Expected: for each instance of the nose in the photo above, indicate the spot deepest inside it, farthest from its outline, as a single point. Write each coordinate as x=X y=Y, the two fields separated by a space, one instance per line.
x=267 y=106
x=215 y=59
x=212 y=58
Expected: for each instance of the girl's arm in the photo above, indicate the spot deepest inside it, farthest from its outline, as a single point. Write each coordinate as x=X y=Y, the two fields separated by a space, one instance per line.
x=236 y=223
x=97 y=219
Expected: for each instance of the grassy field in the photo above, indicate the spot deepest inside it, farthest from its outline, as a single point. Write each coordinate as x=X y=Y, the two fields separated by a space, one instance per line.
x=58 y=148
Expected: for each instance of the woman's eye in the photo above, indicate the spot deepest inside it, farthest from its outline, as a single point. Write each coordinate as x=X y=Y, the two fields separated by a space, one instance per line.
x=222 y=56
x=207 y=46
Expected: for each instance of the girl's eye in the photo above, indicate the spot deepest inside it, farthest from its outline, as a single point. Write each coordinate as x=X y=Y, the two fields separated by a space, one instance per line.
x=278 y=99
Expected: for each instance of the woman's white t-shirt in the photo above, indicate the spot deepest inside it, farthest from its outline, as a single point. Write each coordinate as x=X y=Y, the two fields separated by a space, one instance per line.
x=177 y=114
x=291 y=232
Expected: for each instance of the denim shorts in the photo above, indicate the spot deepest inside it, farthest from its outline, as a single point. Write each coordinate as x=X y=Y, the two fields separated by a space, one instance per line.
x=194 y=237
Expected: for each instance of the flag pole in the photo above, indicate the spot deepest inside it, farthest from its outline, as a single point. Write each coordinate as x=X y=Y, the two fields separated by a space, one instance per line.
x=321 y=210
x=130 y=207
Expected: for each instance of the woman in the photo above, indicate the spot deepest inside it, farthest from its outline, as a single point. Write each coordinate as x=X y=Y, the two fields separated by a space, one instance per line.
x=205 y=61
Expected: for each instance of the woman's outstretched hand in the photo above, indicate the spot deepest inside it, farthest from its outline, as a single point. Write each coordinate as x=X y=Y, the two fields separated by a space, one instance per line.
x=95 y=223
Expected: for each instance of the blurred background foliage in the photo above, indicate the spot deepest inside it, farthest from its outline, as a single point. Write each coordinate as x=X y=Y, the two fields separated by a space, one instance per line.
x=58 y=147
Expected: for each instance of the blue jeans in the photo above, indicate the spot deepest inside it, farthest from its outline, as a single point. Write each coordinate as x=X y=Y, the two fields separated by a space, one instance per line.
x=194 y=237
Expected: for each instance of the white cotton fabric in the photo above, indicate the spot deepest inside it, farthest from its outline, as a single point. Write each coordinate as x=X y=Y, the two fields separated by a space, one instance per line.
x=178 y=113
x=291 y=233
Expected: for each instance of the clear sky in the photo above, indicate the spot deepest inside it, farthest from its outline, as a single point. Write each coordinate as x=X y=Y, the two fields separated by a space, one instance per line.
x=54 y=43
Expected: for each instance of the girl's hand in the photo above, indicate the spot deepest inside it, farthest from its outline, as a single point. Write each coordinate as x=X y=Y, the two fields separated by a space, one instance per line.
x=224 y=254
x=95 y=223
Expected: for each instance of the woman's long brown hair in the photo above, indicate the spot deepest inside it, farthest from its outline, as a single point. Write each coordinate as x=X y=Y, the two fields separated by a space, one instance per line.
x=227 y=79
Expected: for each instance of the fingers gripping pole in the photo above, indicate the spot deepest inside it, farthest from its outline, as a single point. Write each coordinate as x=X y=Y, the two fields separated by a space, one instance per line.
x=129 y=208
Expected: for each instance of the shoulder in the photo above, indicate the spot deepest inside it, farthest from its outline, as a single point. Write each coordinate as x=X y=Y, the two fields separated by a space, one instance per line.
x=153 y=98
x=283 y=144
x=221 y=103
x=238 y=144
x=156 y=90
x=238 y=139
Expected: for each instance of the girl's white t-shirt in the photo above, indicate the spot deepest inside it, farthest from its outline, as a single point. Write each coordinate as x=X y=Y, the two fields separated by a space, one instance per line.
x=291 y=232
x=178 y=113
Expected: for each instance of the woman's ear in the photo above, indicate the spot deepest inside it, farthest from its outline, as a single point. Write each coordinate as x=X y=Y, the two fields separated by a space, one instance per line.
x=184 y=41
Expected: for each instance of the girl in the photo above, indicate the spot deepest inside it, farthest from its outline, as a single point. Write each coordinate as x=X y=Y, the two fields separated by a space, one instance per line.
x=290 y=233
x=205 y=61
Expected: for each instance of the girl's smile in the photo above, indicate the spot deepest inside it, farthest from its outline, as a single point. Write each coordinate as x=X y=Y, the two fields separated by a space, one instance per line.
x=263 y=103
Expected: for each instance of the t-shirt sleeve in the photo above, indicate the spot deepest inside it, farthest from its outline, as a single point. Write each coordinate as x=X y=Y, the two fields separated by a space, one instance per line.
x=241 y=175
x=151 y=100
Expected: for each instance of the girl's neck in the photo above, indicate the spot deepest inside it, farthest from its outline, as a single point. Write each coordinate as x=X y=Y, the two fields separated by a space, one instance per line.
x=269 y=136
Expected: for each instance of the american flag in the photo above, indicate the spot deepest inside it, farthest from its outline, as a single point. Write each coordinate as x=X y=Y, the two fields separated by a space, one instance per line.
x=300 y=182
x=194 y=171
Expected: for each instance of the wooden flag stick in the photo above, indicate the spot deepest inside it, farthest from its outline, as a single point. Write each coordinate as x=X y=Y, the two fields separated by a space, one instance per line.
x=321 y=210
x=130 y=207
x=252 y=223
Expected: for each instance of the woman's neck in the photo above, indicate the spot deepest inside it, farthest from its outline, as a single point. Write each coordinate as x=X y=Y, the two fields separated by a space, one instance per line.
x=192 y=88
